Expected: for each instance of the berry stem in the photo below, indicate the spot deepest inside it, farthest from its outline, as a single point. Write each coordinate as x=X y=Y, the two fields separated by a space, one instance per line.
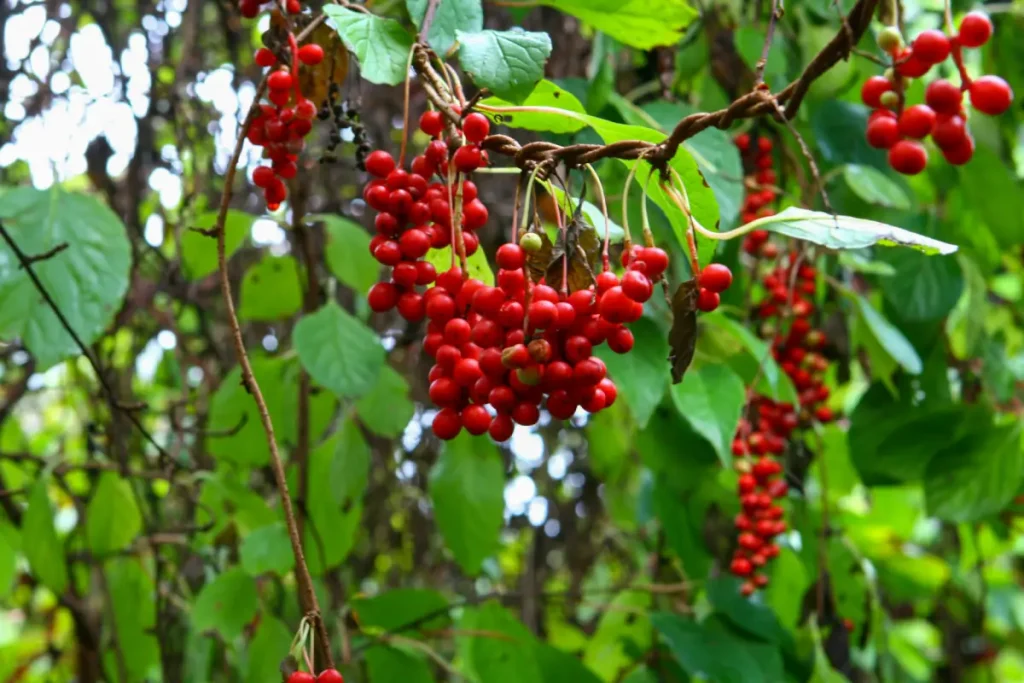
x=682 y=200
x=645 y=223
x=604 y=212
x=456 y=218
x=405 y=109
x=293 y=45
x=627 y=241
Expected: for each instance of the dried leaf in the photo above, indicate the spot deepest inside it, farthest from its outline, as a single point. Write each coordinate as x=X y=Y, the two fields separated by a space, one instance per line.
x=316 y=80
x=682 y=339
x=583 y=246
x=537 y=262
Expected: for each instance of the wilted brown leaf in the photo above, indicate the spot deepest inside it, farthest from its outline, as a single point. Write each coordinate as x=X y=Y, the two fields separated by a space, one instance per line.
x=582 y=244
x=315 y=80
x=682 y=339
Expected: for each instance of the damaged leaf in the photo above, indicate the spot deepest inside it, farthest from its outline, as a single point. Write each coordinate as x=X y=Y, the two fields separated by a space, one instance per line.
x=682 y=338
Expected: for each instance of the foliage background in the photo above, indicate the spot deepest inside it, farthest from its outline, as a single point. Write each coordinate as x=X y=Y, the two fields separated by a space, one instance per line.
x=593 y=549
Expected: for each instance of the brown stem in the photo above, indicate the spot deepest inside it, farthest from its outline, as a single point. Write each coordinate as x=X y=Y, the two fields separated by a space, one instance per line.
x=769 y=36
x=307 y=596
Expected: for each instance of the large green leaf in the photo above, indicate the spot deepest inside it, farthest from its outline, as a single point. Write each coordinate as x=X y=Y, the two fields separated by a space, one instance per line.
x=845 y=232
x=922 y=288
x=977 y=476
x=87 y=280
x=642 y=24
x=267 y=550
x=348 y=253
x=43 y=549
x=394 y=665
x=993 y=192
x=711 y=650
x=622 y=630
x=467 y=489
x=400 y=608
x=889 y=337
x=507 y=658
x=271 y=290
x=199 y=251
x=508 y=63
x=267 y=650
x=226 y=604
x=381 y=45
x=748 y=356
x=450 y=17
x=339 y=351
x=547 y=95
x=711 y=399
x=838 y=130
x=133 y=600
x=875 y=187
x=642 y=374
x=558 y=666
x=112 y=518
x=757 y=620
x=386 y=410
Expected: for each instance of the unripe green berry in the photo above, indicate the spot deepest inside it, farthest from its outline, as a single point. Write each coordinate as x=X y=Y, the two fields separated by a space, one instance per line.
x=890 y=39
x=889 y=74
x=531 y=242
x=889 y=99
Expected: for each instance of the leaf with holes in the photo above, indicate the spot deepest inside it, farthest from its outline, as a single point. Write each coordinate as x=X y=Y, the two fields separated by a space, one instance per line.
x=508 y=63
x=271 y=290
x=339 y=351
x=87 y=280
x=682 y=338
x=381 y=45
x=845 y=232
x=450 y=17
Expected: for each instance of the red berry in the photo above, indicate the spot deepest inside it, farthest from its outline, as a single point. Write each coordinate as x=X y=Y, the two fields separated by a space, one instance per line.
x=410 y=306
x=748 y=588
x=388 y=253
x=910 y=65
x=457 y=331
x=311 y=54
x=263 y=176
x=871 y=91
x=542 y=314
x=960 y=153
x=437 y=152
x=330 y=676
x=467 y=371
x=991 y=95
x=305 y=109
x=265 y=57
x=526 y=414
x=447 y=424
x=249 y=10
x=742 y=141
x=475 y=127
x=275 y=192
x=656 y=260
x=560 y=405
x=975 y=29
x=741 y=566
x=380 y=163
x=931 y=45
x=502 y=428
x=943 y=97
x=432 y=123
x=279 y=80
x=637 y=286
x=908 y=157
x=715 y=277
x=301 y=677
x=510 y=257
x=444 y=392
x=949 y=131
x=917 y=121
x=620 y=341
x=382 y=297
x=707 y=300
x=474 y=215
x=611 y=392
x=404 y=275
x=476 y=419
x=467 y=158
x=615 y=306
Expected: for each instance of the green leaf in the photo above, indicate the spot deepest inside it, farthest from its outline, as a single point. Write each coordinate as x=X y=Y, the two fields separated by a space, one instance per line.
x=271 y=290
x=386 y=410
x=339 y=351
x=642 y=24
x=838 y=130
x=506 y=659
x=10 y=543
x=977 y=476
x=875 y=187
x=45 y=550
x=476 y=263
x=845 y=232
x=238 y=436
x=546 y=94
x=508 y=63
x=623 y=629
x=348 y=253
x=132 y=594
x=267 y=550
x=267 y=650
x=922 y=288
x=381 y=45
x=467 y=486
x=749 y=42
x=889 y=337
x=450 y=17
x=199 y=251
x=112 y=518
x=642 y=374
x=557 y=666
x=393 y=665
x=752 y=618
x=226 y=604
x=711 y=399
x=710 y=650
x=993 y=192
x=400 y=608
x=756 y=359
x=87 y=280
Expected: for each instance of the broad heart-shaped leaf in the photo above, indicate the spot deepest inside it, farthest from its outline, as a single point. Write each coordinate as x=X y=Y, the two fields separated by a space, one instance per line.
x=874 y=187
x=226 y=604
x=381 y=45
x=508 y=63
x=271 y=290
x=266 y=651
x=643 y=24
x=113 y=518
x=385 y=663
x=199 y=251
x=403 y=608
x=505 y=659
x=267 y=550
x=87 y=280
x=348 y=253
x=476 y=263
x=889 y=337
x=711 y=399
x=548 y=95
x=450 y=17
x=386 y=410
x=642 y=374
x=131 y=598
x=977 y=476
x=44 y=549
x=711 y=650
x=339 y=351
x=845 y=232
x=237 y=435
x=467 y=486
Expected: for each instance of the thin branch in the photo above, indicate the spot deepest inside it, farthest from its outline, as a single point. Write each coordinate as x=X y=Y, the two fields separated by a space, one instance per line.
x=428 y=19
x=776 y=14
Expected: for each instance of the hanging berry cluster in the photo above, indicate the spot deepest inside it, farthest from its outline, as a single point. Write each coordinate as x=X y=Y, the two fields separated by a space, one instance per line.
x=784 y=316
x=326 y=676
x=287 y=117
x=896 y=127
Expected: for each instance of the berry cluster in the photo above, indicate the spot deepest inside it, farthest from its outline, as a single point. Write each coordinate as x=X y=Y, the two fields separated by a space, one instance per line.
x=896 y=127
x=251 y=8
x=287 y=117
x=326 y=676
x=759 y=183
